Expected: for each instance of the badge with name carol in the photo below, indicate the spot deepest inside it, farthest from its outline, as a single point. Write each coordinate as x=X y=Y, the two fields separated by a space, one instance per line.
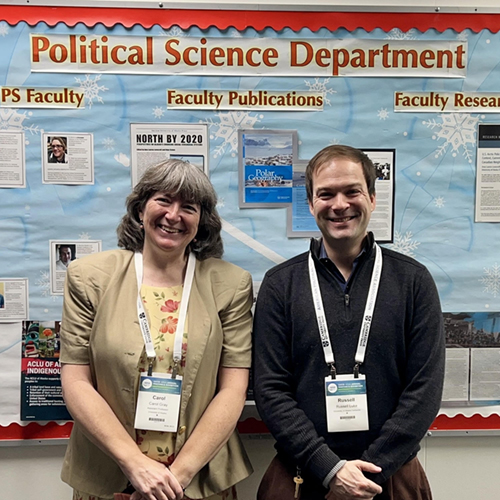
x=346 y=404
x=158 y=402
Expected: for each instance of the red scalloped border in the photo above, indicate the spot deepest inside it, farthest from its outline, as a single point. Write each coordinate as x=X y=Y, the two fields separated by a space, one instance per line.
x=462 y=423
x=53 y=430
x=34 y=430
x=241 y=19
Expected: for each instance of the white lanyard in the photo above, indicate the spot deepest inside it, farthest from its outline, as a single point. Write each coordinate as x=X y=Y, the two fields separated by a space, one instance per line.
x=143 y=320
x=367 y=317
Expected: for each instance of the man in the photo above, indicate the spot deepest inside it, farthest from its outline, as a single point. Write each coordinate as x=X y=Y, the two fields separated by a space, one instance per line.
x=57 y=150
x=64 y=258
x=386 y=362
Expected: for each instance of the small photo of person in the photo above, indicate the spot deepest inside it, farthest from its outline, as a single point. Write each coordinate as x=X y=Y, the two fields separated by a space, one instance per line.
x=57 y=149
x=65 y=254
x=2 y=298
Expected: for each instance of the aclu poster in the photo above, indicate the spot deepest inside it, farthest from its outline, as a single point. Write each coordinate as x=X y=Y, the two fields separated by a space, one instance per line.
x=41 y=392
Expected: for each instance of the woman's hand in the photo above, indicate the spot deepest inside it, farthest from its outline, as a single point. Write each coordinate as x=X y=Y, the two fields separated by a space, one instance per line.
x=152 y=480
x=215 y=426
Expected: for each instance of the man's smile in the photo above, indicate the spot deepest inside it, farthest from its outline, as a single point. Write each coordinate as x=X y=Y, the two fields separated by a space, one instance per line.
x=342 y=219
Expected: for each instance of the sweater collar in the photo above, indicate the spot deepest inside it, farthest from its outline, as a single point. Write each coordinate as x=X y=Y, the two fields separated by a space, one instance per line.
x=317 y=247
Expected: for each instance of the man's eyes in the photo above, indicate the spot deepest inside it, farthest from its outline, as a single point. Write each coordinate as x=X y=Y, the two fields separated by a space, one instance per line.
x=327 y=195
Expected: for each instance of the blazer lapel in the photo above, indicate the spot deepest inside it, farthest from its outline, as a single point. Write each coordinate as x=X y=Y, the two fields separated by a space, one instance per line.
x=199 y=326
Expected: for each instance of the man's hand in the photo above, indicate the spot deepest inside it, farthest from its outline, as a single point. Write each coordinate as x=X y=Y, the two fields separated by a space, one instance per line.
x=350 y=483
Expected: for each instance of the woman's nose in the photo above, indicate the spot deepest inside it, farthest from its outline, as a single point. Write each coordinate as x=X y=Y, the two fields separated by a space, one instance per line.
x=173 y=210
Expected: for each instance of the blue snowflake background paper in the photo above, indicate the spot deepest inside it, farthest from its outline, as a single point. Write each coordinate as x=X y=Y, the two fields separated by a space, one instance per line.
x=435 y=159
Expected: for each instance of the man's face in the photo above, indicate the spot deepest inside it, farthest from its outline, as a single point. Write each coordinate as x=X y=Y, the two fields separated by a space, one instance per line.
x=65 y=255
x=57 y=148
x=340 y=203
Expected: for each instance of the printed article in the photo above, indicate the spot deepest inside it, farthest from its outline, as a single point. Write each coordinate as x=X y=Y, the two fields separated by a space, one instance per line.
x=12 y=160
x=68 y=158
x=14 y=303
x=153 y=143
x=62 y=253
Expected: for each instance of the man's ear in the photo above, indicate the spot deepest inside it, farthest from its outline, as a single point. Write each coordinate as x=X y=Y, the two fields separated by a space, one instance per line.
x=311 y=208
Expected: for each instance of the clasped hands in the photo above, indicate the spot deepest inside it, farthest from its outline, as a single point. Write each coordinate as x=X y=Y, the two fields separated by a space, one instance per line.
x=351 y=484
x=153 y=480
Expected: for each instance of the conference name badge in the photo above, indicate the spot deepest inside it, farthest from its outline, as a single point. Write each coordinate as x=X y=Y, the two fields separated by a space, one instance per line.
x=346 y=404
x=158 y=402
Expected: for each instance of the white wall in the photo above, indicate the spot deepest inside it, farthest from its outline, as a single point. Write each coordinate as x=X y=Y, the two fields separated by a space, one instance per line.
x=459 y=468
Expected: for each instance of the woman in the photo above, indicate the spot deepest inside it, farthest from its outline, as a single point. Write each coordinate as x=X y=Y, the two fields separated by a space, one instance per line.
x=170 y=215
x=57 y=151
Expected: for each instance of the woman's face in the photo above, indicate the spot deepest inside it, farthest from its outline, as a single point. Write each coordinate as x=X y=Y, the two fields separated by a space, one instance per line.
x=57 y=148
x=170 y=223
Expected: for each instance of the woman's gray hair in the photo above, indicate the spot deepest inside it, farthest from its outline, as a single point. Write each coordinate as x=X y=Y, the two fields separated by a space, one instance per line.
x=177 y=178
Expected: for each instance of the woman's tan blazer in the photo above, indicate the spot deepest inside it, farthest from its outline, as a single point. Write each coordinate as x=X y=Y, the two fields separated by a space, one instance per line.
x=100 y=328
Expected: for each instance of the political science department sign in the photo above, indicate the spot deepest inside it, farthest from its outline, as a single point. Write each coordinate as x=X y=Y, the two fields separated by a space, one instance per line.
x=59 y=53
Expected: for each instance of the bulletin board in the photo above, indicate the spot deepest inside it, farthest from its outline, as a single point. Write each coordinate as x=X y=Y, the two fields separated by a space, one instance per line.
x=434 y=218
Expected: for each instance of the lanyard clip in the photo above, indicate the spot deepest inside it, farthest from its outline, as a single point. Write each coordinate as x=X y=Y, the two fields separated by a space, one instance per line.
x=150 y=367
x=333 y=371
x=356 y=370
x=175 y=369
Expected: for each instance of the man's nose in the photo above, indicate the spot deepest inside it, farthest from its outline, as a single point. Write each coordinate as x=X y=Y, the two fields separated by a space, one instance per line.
x=339 y=202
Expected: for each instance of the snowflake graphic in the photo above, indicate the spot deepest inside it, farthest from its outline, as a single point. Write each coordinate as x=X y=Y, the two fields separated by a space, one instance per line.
x=457 y=130
x=227 y=129
x=44 y=284
x=404 y=244
x=334 y=142
x=491 y=280
x=321 y=86
x=11 y=119
x=173 y=31
x=463 y=36
x=439 y=202
x=4 y=28
x=158 y=112
x=108 y=143
x=91 y=89
x=383 y=114
x=397 y=34
x=84 y=236
x=220 y=203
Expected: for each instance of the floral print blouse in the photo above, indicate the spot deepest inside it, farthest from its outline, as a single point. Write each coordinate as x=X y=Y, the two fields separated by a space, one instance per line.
x=162 y=305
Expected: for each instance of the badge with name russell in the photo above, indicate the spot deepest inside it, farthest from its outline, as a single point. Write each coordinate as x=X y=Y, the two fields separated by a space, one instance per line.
x=158 y=402
x=346 y=403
